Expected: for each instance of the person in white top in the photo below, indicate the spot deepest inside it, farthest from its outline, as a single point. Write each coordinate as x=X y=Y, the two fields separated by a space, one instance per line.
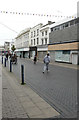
x=46 y=60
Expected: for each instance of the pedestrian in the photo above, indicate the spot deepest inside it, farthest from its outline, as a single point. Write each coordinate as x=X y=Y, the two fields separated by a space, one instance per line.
x=15 y=58
x=46 y=61
x=7 y=56
x=35 y=59
x=20 y=55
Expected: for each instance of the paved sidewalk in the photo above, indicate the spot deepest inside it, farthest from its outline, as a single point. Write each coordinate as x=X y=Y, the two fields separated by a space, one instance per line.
x=0 y=91
x=62 y=64
x=20 y=101
x=73 y=66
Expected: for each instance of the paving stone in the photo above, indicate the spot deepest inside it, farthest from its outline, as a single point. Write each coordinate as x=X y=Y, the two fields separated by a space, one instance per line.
x=19 y=103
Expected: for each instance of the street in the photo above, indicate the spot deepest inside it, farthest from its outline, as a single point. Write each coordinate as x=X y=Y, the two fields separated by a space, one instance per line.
x=57 y=87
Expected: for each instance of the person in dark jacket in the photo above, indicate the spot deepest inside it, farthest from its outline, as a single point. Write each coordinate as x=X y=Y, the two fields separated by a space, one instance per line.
x=35 y=59
x=7 y=56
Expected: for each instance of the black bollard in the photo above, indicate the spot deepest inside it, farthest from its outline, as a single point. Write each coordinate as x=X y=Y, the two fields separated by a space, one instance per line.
x=10 y=66
x=2 y=59
x=5 y=62
x=22 y=74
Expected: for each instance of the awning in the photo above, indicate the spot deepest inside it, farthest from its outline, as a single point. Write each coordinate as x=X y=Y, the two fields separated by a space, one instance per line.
x=22 y=49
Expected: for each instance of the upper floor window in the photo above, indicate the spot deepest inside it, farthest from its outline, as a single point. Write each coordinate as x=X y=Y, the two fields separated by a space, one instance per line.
x=31 y=42
x=37 y=32
x=45 y=32
x=34 y=41
x=37 y=41
x=45 y=40
x=42 y=33
x=42 y=41
x=31 y=34
x=51 y=29
x=34 y=33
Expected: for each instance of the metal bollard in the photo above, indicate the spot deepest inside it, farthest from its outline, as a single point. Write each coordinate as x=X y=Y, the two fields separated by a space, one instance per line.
x=10 y=66
x=5 y=62
x=22 y=74
x=2 y=59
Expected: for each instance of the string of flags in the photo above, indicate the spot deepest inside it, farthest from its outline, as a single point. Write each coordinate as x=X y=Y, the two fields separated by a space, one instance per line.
x=35 y=14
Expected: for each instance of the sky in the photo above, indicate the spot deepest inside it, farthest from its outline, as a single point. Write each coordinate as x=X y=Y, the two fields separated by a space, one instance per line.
x=11 y=24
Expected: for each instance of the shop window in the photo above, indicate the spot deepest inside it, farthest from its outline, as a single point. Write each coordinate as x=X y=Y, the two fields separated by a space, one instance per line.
x=62 y=26
x=66 y=25
x=66 y=52
x=72 y=22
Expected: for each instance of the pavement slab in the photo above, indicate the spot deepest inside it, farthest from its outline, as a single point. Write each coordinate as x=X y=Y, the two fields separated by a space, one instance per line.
x=20 y=101
x=0 y=91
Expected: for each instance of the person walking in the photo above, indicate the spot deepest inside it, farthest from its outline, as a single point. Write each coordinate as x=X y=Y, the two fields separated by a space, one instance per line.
x=7 y=56
x=35 y=59
x=46 y=60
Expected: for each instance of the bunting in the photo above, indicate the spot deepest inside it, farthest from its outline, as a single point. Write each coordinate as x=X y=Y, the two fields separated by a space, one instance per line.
x=35 y=14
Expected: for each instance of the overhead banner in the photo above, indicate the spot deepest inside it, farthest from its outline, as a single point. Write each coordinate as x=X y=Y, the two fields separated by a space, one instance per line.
x=35 y=14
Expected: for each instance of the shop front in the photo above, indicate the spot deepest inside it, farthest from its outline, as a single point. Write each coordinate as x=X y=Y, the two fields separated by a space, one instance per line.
x=32 y=52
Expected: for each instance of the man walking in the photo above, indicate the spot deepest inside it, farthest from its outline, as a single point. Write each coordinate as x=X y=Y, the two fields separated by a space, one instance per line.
x=46 y=61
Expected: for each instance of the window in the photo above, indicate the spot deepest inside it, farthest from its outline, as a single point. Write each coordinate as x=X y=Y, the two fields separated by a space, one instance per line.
x=34 y=41
x=31 y=34
x=45 y=32
x=57 y=28
x=66 y=25
x=66 y=52
x=42 y=41
x=77 y=20
x=62 y=26
x=34 y=33
x=31 y=42
x=42 y=33
x=51 y=29
x=37 y=32
x=72 y=22
x=37 y=41
x=45 y=40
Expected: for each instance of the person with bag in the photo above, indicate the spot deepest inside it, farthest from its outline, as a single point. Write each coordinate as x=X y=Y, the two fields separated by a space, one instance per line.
x=46 y=60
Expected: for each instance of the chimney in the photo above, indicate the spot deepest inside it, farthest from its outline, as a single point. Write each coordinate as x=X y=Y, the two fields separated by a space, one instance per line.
x=50 y=22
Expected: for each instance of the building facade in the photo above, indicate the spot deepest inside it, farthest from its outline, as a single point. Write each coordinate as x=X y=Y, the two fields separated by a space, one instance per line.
x=44 y=40
x=6 y=47
x=1 y=50
x=64 y=41
x=22 y=43
x=34 y=40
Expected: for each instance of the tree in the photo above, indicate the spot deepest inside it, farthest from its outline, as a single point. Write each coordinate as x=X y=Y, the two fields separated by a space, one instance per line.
x=13 y=48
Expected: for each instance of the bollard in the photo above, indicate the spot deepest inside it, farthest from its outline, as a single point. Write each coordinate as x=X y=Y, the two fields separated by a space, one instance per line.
x=22 y=74
x=2 y=59
x=5 y=62
x=10 y=66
